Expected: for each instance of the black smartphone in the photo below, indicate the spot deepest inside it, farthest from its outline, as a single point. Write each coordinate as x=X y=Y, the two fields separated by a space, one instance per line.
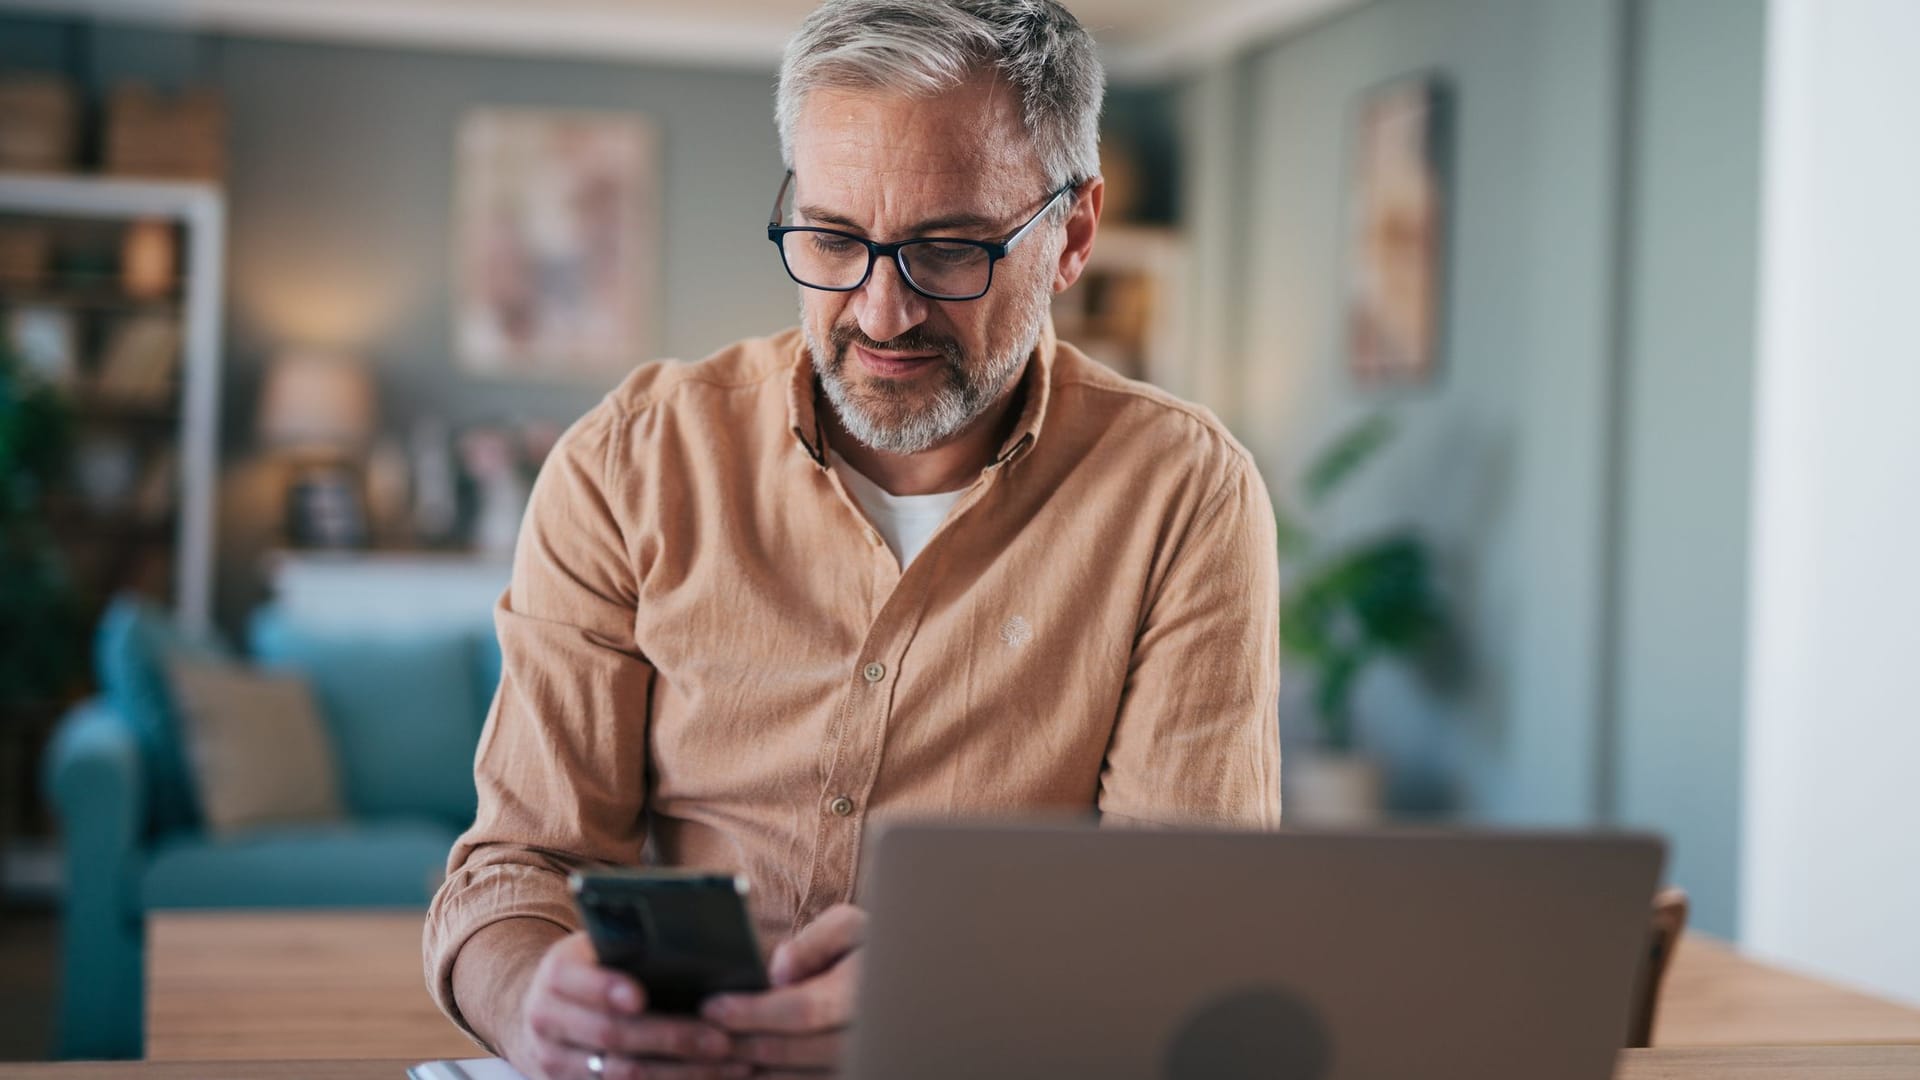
x=684 y=935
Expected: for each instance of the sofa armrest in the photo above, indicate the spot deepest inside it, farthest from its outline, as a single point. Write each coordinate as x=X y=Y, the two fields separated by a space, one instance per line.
x=95 y=778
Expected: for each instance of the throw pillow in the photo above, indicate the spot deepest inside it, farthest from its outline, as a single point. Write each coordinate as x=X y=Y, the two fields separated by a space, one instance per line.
x=256 y=746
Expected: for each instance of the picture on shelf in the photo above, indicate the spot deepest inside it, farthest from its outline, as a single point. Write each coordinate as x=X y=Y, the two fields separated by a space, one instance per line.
x=556 y=242
x=139 y=363
x=1397 y=222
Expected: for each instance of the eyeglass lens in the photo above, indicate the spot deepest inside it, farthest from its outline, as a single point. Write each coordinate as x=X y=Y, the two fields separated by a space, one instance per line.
x=827 y=261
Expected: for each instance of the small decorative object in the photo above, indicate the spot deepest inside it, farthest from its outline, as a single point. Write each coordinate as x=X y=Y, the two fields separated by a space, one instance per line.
x=159 y=484
x=556 y=242
x=26 y=251
x=1347 y=607
x=1396 y=253
x=39 y=124
x=43 y=337
x=140 y=360
x=149 y=259
x=318 y=410
x=388 y=493
x=436 y=494
x=183 y=137
x=106 y=470
x=492 y=459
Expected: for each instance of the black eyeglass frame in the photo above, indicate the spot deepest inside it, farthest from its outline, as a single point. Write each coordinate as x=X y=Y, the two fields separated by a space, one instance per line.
x=995 y=249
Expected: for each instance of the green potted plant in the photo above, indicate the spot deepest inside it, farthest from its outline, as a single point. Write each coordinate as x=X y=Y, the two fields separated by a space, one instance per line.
x=1344 y=608
x=39 y=616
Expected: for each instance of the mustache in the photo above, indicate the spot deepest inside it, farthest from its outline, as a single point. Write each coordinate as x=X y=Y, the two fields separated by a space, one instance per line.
x=915 y=340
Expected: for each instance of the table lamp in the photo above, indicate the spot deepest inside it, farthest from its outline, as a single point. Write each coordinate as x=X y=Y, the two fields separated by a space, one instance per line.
x=318 y=411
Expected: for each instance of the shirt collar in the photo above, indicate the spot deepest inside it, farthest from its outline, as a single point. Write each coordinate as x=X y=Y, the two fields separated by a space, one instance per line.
x=1036 y=390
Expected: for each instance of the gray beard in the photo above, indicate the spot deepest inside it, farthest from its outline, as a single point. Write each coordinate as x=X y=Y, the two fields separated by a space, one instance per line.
x=884 y=417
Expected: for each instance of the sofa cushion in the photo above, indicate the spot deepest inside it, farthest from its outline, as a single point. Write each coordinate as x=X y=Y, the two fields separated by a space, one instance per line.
x=132 y=648
x=258 y=750
x=400 y=706
x=367 y=864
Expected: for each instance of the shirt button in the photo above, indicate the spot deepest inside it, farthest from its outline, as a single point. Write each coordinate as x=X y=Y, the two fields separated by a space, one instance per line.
x=841 y=806
x=875 y=671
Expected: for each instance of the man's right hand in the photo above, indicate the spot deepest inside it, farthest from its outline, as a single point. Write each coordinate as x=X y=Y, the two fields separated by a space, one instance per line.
x=574 y=1008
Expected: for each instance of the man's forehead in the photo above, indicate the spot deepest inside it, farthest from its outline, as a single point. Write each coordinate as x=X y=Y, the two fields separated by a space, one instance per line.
x=877 y=151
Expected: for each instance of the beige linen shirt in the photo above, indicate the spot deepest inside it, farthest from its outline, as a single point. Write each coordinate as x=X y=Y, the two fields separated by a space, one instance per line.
x=711 y=658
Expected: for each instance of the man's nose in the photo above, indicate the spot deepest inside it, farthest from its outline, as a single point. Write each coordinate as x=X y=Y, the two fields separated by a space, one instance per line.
x=887 y=306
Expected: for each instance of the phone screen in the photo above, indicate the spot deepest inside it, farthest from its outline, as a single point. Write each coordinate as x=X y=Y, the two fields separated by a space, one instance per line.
x=683 y=936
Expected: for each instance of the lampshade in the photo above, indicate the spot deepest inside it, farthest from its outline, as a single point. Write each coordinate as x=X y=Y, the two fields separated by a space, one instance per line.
x=317 y=402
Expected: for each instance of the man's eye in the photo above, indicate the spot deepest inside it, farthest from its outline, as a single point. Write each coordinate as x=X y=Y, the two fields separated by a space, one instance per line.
x=831 y=245
x=954 y=254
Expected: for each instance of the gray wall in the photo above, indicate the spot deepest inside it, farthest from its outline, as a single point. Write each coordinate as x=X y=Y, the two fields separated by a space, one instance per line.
x=1685 y=450
x=1580 y=460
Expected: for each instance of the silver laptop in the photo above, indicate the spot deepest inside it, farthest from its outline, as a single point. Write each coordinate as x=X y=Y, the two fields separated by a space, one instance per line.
x=1068 y=951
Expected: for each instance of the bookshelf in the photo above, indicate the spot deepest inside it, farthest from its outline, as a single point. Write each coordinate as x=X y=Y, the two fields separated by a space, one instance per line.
x=136 y=351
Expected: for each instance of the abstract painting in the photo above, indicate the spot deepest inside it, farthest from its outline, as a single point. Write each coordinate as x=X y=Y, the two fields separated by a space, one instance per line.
x=556 y=243
x=1397 y=239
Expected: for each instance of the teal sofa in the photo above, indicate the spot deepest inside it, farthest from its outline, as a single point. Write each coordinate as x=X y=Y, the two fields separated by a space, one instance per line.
x=404 y=711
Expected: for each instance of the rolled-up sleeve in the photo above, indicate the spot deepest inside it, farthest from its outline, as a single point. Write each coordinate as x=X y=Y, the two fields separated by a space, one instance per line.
x=561 y=762
x=1197 y=738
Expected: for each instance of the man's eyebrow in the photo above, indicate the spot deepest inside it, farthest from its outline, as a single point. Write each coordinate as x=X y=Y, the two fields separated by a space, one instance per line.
x=924 y=228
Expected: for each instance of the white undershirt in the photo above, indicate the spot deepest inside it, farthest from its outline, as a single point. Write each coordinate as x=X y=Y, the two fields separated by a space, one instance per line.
x=906 y=522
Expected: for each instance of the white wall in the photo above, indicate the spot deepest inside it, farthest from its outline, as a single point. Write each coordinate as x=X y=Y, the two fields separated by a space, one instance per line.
x=1831 y=878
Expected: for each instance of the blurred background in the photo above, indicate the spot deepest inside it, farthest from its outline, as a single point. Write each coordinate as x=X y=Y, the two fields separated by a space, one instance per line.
x=1573 y=338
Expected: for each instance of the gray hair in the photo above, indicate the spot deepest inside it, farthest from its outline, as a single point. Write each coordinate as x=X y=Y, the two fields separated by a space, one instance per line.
x=929 y=46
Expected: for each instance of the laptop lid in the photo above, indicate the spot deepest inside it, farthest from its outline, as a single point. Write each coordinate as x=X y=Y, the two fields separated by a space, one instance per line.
x=1071 y=951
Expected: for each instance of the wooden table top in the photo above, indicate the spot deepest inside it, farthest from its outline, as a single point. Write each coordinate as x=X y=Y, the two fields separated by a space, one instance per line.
x=299 y=985
x=1691 y=1063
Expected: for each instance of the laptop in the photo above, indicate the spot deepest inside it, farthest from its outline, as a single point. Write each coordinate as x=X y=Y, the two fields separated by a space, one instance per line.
x=1069 y=951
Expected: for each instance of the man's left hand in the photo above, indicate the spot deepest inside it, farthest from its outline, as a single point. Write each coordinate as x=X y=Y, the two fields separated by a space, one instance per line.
x=799 y=1025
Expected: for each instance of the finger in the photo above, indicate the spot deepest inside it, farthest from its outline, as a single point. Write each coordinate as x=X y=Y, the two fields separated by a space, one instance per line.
x=818 y=1005
x=587 y=983
x=791 y=1051
x=577 y=1027
x=819 y=945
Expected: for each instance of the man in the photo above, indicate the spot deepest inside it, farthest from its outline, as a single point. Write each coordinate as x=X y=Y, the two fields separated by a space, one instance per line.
x=916 y=557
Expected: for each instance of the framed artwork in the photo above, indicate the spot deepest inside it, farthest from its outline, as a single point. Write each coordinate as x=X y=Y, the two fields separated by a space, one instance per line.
x=556 y=243
x=1397 y=232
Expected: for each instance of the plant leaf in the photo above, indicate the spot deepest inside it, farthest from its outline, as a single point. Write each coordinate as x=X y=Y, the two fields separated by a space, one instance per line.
x=1346 y=454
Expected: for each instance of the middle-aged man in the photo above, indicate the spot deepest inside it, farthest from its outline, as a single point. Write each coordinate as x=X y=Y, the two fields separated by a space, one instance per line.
x=913 y=558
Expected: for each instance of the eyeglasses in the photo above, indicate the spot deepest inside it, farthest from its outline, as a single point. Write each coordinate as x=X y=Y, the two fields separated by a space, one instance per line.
x=936 y=267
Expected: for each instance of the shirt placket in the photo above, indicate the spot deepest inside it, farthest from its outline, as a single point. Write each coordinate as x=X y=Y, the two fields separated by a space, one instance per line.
x=851 y=754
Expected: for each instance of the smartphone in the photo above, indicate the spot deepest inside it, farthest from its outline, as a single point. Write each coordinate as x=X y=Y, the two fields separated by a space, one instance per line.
x=685 y=935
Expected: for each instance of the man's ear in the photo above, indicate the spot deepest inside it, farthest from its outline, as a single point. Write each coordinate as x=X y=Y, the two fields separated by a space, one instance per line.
x=1081 y=225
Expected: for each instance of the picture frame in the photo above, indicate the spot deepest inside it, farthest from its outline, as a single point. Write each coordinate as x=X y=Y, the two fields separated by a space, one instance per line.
x=556 y=243
x=1398 y=236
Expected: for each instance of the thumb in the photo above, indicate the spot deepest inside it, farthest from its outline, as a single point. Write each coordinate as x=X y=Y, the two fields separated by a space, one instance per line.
x=818 y=946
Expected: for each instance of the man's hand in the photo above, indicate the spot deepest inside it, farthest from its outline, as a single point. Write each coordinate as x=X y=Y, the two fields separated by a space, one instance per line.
x=800 y=1024
x=574 y=1008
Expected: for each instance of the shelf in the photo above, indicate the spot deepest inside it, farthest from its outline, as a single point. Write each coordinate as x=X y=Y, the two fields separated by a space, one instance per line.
x=93 y=407
x=101 y=298
x=172 y=553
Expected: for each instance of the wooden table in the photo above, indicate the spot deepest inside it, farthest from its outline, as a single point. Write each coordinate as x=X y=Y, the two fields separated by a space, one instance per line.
x=330 y=985
x=260 y=985
x=1751 y=1063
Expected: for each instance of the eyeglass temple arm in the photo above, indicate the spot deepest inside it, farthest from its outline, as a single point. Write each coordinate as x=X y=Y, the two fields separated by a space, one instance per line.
x=1007 y=244
x=773 y=219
